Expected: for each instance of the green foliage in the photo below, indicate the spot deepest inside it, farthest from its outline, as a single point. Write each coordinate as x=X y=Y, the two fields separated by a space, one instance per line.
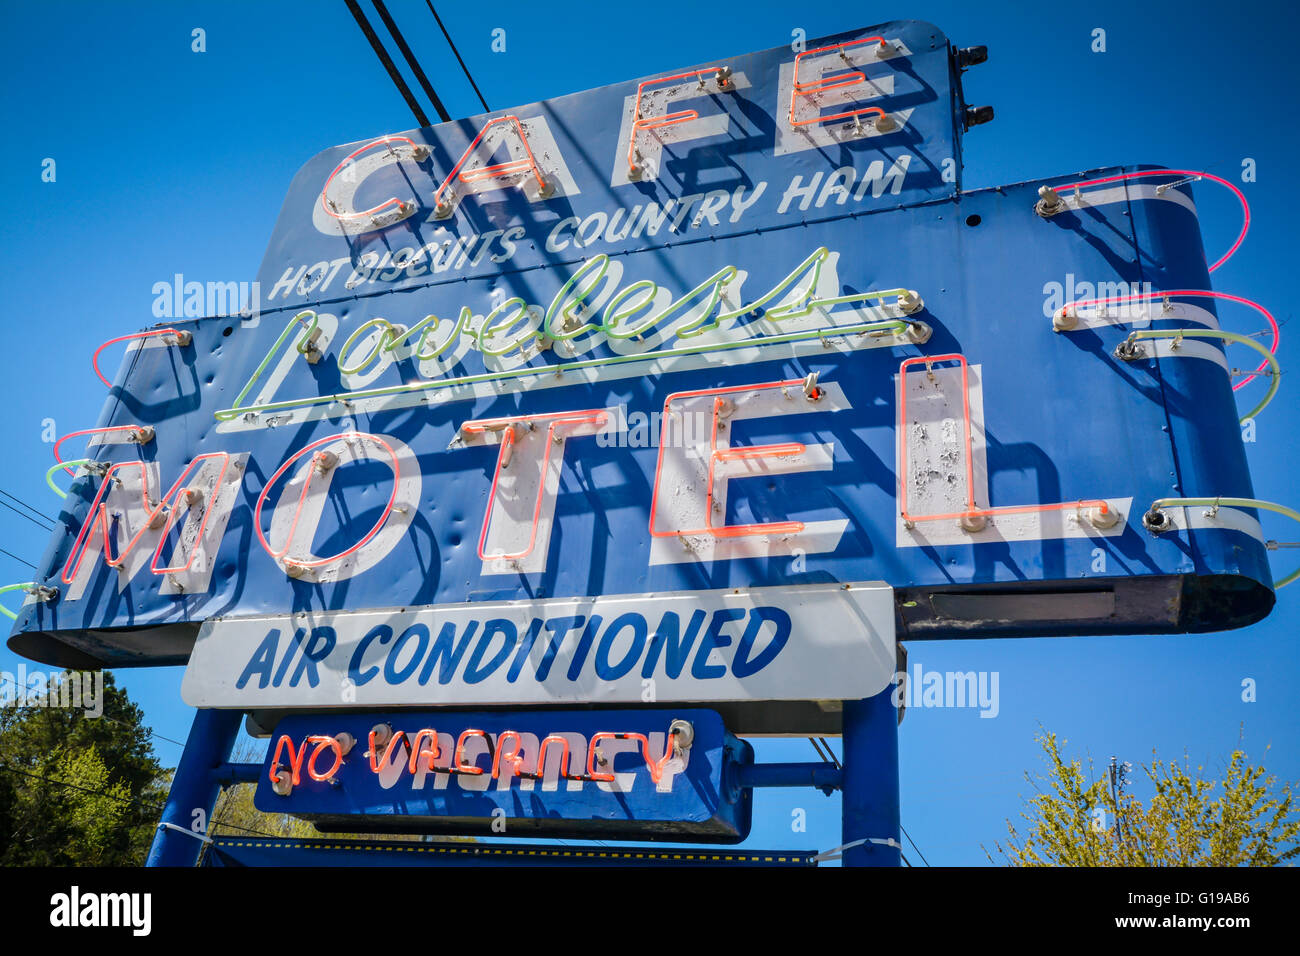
x=1188 y=820
x=77 y=790
x=235 y=815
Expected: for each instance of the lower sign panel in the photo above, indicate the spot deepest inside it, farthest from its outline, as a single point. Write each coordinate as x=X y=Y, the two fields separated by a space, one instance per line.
x=796 y=643
x=612 y=774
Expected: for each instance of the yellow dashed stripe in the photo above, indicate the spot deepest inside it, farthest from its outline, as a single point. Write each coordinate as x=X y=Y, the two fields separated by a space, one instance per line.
x=521 y=851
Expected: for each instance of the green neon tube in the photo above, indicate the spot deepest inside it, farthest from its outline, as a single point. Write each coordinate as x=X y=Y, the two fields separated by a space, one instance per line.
x=1229 y=337
x=13 y=587
x=1234 y=503
x=897 y=326
x=49 y=475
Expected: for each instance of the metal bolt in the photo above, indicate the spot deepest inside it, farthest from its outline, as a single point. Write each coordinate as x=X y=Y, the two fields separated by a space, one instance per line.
x=1049 y=202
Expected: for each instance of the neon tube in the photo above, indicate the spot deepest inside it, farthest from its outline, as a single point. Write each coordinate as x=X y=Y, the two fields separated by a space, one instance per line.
x=295 y=760
x=1161 y=503
x=24 y=586
x=1269 y=359
x=97 y=516
x=302 y=498
x=398 y=738
x=321 y=742
x=540 y=772
x=826 y=84
x=668 y=119
x=507 y=443
x=492 y=172
x=592 y=774
x=306 y=338
x=49 y=475
x=716 y=455
x=655 y=767
x=971 y=510
x=182 y=338
x=418 y=750
x=142 y=436
x=353 y=216
x=458 y=764
x=1193 y=293
x=865 y=328
x=1241 y=198
x=203 y=523
x=510 y=757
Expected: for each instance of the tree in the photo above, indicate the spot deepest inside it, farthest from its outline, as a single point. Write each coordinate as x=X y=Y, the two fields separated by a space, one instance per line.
x=1080 y=820
x=77 y=790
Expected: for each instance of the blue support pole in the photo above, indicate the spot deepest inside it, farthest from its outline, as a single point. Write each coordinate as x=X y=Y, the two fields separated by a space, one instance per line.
x=194 y=787
x=823 y=776
x=870 y=782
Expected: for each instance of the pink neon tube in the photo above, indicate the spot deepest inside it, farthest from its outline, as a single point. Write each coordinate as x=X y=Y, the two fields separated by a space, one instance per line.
x=94 y=360
x=730 y=454
x=1241 y=198
x=971 y=510
x=668 y=119
x=1197 y=294
x=302 y=497
x=507 y=442
x=352 y=216
x=826 y=84
x=500 y=169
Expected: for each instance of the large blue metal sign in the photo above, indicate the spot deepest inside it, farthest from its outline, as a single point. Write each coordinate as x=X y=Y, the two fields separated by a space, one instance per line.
x=732 y=328
x=560 y=773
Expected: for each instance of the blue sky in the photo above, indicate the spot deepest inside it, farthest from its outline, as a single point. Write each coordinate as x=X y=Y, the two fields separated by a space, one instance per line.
x=173 y=161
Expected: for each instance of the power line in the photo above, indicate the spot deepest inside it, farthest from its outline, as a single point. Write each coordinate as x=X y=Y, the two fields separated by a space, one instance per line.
x=35 y=511
x=24 y=514
x=914 y=846
x=143 y=806
x=19 y=560
x=151 y=733
x=387 y=61
x=828 y=755
x=111 y=720
x=451 y=44
x=411 y=61
x=834 y=759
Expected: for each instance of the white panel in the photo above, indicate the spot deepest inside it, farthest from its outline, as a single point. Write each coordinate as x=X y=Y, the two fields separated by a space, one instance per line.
x=794 y=139
x=839 y=646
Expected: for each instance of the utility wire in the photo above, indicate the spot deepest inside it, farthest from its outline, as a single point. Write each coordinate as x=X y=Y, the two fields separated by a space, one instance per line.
x=144 y=806
x=829 y=756
x=35 y=511
x=387 y=61
x=914 y=846
x=411 y=61
x=451 y=44
x=151 y=733
x=19 y=560
x=834 y=759
x=111 y=720
x=24 y=514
